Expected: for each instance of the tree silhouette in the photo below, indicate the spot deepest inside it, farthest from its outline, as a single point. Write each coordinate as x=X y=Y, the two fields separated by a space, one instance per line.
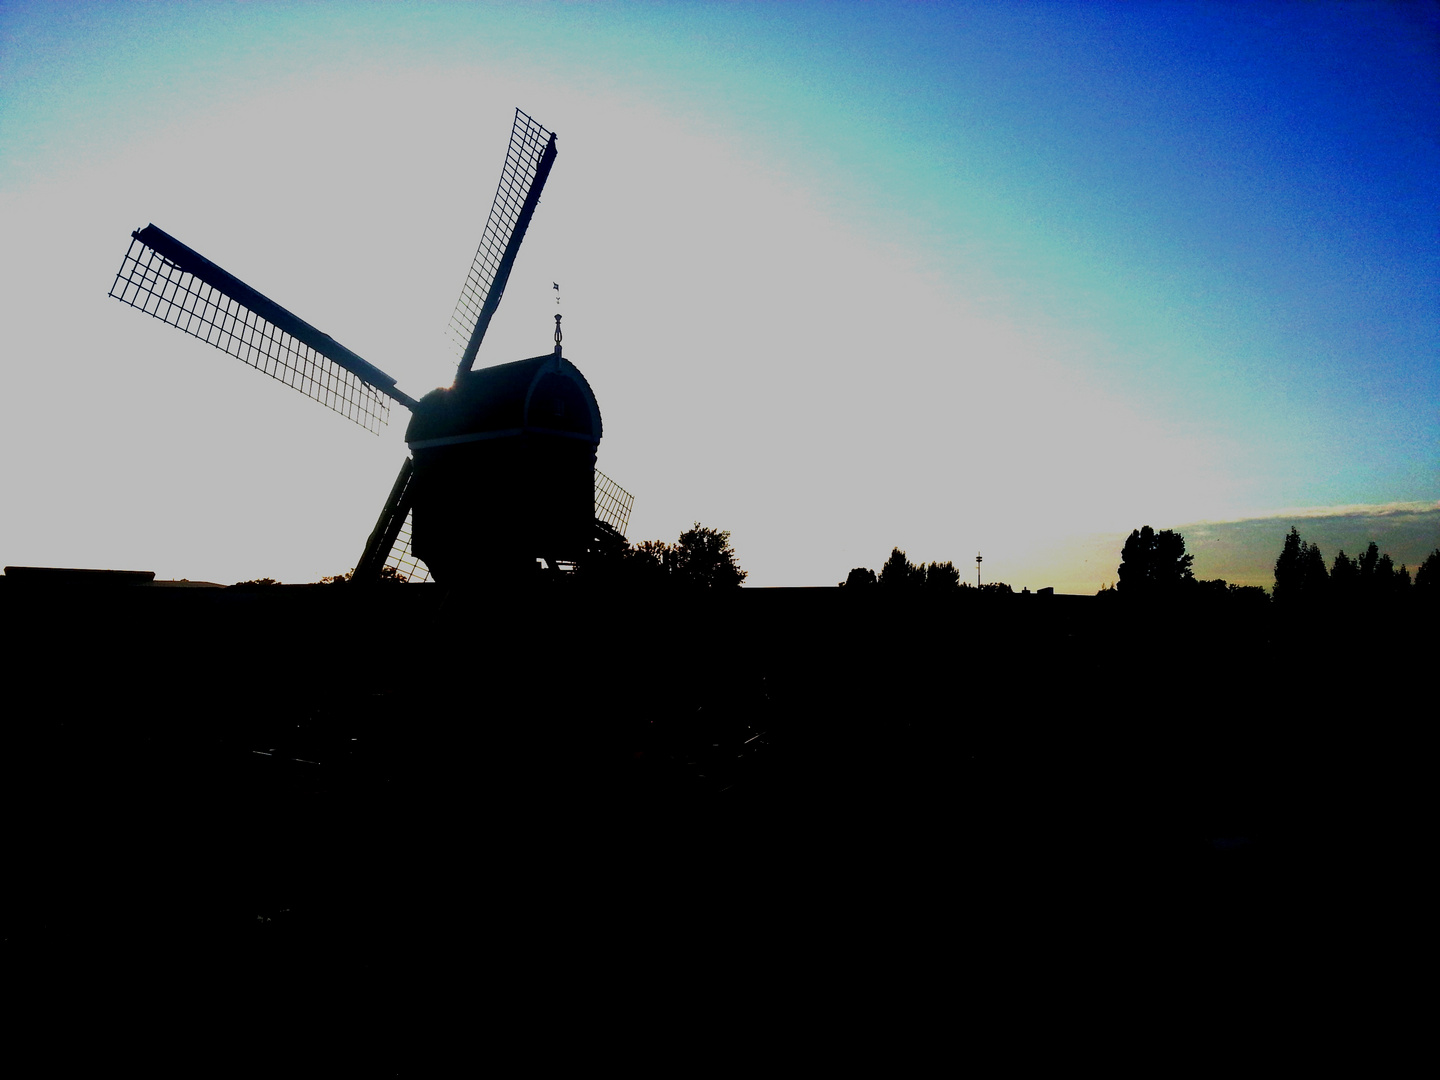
x=1252 y=595
x=942 y=577
x=900 y=574
x=1154 y=563
x=701 y=558
x=650 y=562
x=1317 y=578
x=1427 y=578
x=1289 y=575
x=1378 y=576
x=1385 y=575
x=1300 y=571
x=1300 y=574
x=1213 y=589
x=1372 y=576
x=1344 y=576
x=704 y=558
x=388 y=575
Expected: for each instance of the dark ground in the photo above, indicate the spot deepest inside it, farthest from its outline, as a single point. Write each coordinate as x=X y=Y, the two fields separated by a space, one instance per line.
x=256 y=787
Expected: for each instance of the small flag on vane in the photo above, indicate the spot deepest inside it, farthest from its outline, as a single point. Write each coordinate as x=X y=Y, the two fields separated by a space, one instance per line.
x=556 y=285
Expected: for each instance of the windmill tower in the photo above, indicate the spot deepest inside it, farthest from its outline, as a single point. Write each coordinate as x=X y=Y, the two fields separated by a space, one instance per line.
x=501 y=472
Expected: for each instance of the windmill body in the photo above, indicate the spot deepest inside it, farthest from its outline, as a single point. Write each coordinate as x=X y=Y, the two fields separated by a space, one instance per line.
x=504 y=469
x=502 y=473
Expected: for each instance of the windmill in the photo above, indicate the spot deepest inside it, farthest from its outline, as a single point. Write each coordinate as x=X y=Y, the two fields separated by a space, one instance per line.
x=501 y=472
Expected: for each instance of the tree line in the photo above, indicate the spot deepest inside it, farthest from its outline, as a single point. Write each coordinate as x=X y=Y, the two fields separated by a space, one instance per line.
x=1301 y=575
x=1156 y=565
x=702 y=558
x=900 y=575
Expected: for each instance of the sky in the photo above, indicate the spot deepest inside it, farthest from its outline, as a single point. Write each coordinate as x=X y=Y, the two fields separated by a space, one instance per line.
x=1010 y=279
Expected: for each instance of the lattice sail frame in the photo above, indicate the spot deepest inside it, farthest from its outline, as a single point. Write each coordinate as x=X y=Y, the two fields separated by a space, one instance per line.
x=612 y=503
x=403 y=560
x=222 y=312
x=528 y=142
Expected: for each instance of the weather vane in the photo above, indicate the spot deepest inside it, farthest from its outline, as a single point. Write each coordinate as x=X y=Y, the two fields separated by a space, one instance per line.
x=556 y=286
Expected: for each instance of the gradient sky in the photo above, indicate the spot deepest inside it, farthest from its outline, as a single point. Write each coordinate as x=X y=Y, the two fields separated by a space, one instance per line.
x=1015 y=278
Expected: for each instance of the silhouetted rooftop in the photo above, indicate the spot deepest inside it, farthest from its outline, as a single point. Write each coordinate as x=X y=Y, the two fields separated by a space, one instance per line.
x=544 y=394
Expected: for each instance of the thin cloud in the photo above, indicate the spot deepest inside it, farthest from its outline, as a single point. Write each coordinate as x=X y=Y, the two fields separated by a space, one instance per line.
x=1354 y=510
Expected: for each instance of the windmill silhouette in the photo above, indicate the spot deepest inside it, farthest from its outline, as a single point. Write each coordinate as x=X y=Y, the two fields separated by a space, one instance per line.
x=501 y=472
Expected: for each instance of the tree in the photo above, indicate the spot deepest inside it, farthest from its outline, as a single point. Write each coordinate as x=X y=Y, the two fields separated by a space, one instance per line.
x=1376 y=575
x=1300 y=571
x=1317 y=579
x=1385 y=575
x=388 y=575
x=1289 y=574
x=1253 y=595
x=1427 y=577
x=703 y=557
x=1154 y=563
x=1215 y=589
x=1369 y=563
x=900 y=574
x=942 y=577
x=650 y=562
x=1344 y=576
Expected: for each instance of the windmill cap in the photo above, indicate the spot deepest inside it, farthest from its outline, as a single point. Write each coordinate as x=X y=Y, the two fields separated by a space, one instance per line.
x=544 y=395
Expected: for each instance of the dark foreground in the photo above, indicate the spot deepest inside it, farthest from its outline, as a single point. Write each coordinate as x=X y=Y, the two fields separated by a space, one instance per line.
x=296 y=787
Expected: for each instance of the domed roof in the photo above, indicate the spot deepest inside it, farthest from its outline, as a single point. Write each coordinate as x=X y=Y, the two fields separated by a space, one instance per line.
x=544 y=395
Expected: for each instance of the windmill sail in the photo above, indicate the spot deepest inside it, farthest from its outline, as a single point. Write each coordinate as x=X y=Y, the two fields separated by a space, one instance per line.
x=407 y=565
x=389 y=543
x=612 y=503
x=527 y=165
x=177 y=285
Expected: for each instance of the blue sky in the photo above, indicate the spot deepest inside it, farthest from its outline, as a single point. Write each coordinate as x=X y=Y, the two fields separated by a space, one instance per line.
x=1008 y=277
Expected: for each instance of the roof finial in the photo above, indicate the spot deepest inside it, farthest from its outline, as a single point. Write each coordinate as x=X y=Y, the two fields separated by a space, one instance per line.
x=557 y=335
